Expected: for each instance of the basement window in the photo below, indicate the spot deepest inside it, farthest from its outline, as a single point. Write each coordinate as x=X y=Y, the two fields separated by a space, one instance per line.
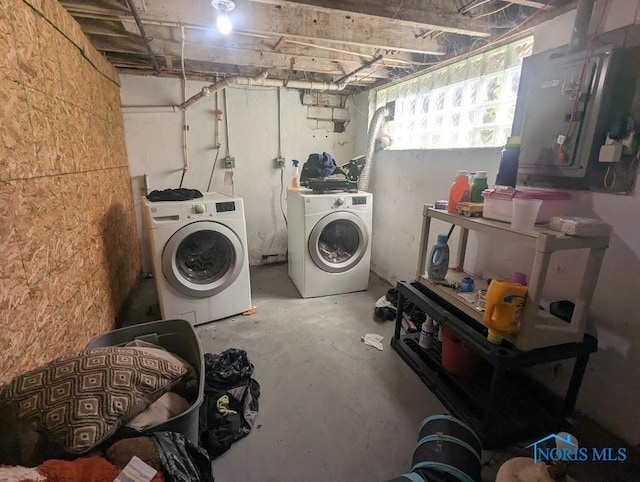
x=467 y=104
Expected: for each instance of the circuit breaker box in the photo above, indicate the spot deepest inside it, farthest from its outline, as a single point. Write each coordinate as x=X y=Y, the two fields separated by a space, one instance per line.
x=566 y=106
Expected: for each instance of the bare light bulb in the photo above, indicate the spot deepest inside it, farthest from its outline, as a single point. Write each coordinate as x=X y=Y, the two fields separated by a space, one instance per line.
x=224 y=24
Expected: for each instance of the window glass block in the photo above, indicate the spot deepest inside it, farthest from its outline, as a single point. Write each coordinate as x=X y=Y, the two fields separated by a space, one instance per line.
x=454 y=96
x=512 y=81
x=484 y=137
x=468 y=104
x=490 y=88
x=458 y=72
x=441 y=77
x=470 y=93
x=487 y=115
x=519 y=50
x=495 y=60
x=474 y=67
x=437 y=100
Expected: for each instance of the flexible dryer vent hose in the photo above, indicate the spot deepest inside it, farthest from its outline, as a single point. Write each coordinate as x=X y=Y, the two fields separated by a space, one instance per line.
x=379 y=116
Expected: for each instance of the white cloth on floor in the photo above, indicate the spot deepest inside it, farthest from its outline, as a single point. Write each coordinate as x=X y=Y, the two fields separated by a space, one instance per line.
x=373 y=340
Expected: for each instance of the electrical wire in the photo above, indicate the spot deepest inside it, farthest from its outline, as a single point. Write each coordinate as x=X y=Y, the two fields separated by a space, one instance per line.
x=284 y=216
x=610 y=185
x=574 y=106
x=213 y=168
x=494 y=12
x=286 y=223
x=226 y=121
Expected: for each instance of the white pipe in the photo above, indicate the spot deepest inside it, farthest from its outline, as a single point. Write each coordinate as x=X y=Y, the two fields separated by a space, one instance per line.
x=259 y=81
x=185 y=116
x=150 y=109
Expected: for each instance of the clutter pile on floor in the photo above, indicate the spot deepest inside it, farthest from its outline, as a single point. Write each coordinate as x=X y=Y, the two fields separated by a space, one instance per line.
x=88 y=416
x=386 y=309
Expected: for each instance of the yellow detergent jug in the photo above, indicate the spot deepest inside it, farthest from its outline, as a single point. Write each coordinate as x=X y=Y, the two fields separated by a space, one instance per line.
x=504 y=302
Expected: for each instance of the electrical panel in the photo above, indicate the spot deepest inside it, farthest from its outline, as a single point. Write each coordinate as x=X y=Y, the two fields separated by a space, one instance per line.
x=567 y=105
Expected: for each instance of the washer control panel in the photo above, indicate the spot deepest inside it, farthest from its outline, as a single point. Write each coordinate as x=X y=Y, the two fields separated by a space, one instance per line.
x=358 y=200
x=225 y=207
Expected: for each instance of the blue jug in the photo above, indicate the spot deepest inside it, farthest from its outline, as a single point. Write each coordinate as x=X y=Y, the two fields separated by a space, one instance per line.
x=439 y=259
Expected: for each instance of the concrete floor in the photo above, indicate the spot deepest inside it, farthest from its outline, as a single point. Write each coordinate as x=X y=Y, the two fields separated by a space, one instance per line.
x=332 y=408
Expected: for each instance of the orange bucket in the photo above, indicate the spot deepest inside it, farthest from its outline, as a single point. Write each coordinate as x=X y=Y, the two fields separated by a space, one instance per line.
x=457 y=358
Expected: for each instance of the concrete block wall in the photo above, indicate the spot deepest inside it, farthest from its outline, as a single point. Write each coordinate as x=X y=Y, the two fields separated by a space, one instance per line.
x=70 y=253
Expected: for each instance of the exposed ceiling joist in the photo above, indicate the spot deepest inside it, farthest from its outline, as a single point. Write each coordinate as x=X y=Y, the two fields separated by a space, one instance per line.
x=406 y=13
x=529 y=3
x=292 y=22
x=224 y=55
x=211 y=40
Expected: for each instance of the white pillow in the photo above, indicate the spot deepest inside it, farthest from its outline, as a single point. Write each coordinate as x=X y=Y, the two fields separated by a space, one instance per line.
x=164 y=408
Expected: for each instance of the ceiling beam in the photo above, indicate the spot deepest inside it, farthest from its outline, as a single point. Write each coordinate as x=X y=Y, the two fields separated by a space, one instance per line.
x=529 y=3
x=293 y=22
x=208 y=39
x=223 y=55
x=408 y=13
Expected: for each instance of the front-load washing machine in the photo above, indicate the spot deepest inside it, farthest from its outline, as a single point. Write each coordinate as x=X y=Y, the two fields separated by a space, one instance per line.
x=329 y=241
x=200 y=260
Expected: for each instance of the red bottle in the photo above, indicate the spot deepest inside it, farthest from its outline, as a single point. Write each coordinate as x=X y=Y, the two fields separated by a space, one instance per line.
x=460 y=191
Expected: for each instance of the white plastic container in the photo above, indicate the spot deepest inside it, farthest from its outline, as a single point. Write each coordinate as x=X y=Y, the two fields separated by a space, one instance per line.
x=498 y=205
x=525 y=213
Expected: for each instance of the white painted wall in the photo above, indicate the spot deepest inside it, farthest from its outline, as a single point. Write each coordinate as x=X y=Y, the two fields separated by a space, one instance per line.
x=154 y=145
x=403 y=181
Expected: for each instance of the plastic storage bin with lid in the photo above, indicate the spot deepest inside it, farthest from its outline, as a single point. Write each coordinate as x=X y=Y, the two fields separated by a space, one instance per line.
x=498 y=204
x=178 y=337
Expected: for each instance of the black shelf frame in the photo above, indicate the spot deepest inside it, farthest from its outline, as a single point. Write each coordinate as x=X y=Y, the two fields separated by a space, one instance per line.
x=501 y=403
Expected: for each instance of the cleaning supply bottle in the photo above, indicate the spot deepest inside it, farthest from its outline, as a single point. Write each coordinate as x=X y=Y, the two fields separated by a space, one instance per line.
x=478 y=186
x=439 y=259
x=294 y=185
x=460 y=190
x=508 y=169
x=503 y=311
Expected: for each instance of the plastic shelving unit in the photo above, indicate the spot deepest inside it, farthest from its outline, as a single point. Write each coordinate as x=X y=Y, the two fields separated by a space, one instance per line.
x=501 y=402
x=538 y=328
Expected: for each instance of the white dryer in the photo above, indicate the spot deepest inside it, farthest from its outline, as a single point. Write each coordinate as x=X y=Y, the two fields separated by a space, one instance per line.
x=329 y=241
x=200 y=260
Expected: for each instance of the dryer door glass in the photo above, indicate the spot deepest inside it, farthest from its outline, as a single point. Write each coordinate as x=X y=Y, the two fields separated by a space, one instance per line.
x=204 y=257
x=338 y=242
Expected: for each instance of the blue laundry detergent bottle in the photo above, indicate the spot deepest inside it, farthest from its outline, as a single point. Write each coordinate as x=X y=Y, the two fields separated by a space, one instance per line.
x=439 y=259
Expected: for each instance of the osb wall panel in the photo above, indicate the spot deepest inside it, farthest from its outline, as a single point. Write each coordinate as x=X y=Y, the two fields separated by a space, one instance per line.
x=68 y=240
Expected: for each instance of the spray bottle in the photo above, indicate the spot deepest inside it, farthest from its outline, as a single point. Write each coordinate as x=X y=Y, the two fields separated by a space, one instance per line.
x=294 y=185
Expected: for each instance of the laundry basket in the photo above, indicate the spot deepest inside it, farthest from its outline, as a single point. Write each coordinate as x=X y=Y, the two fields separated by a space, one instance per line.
x=177 y=336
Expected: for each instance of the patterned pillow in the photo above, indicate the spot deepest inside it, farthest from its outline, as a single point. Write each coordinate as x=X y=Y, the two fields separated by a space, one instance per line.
x=80 y=400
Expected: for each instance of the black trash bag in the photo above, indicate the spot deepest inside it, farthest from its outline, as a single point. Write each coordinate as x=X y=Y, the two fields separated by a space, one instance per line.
x=182 y=461
x=230 y=416
x=392 y=296
x=231 y=403
x=227 y=369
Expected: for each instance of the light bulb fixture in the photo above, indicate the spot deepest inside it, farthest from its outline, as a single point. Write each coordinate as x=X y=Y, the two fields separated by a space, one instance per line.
x=223 y=22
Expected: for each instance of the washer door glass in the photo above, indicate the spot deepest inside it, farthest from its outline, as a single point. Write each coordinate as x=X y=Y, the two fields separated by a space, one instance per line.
x=338 y=242
x=202 y=259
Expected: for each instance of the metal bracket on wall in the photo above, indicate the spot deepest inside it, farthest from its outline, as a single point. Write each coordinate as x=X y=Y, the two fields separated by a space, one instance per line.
x=229 y=162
